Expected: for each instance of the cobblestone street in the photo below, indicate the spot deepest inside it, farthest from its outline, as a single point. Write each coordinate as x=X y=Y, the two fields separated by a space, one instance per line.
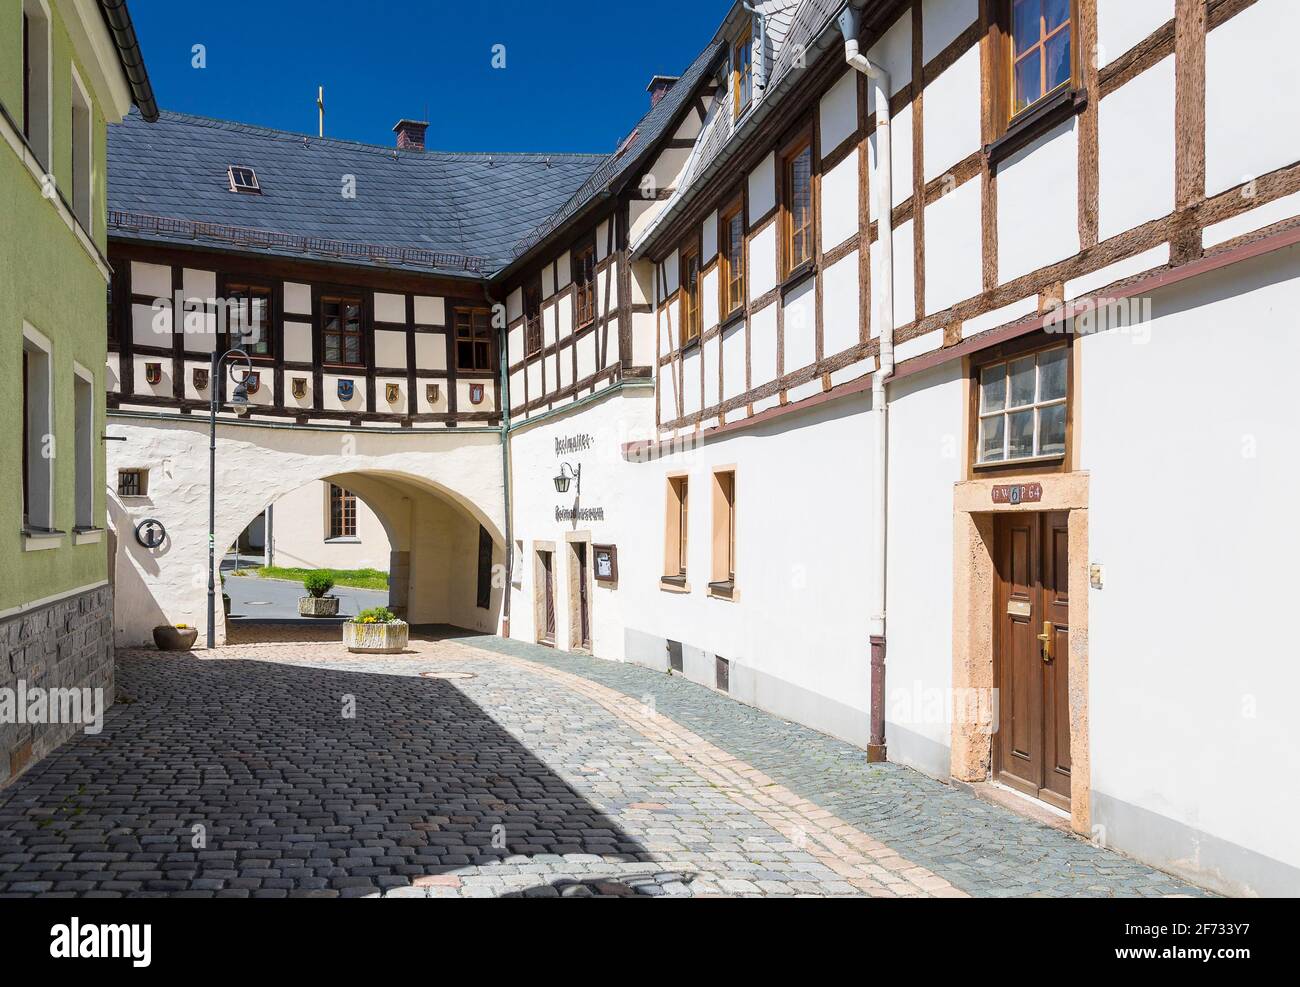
x=477 y=767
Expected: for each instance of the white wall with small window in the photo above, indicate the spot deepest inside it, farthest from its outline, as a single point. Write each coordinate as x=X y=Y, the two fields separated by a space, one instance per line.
x=775 y=573
x=314 y=528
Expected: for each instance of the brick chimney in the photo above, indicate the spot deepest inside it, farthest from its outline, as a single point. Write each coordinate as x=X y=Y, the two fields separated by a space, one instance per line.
x=410 y=134
x=659 y=87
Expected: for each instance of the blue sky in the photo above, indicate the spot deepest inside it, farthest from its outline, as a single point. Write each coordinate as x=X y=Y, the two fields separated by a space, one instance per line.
x=575 y=75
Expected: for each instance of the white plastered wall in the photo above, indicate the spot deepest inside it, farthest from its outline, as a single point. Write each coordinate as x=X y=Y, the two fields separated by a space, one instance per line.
x=1193 y=733
x=443 y=476
x=300 y=533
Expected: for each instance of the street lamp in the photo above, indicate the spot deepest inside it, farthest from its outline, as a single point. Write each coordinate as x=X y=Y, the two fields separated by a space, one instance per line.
x=562 y=481
x=238 y=401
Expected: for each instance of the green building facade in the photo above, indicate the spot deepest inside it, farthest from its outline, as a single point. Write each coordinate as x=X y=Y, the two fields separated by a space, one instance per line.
x=67 y=69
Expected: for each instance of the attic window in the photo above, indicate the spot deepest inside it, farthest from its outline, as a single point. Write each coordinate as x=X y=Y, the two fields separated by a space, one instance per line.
x=243 y=179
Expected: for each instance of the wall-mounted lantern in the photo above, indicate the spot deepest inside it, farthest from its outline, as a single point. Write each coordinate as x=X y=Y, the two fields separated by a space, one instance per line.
x=562 y=481
x=239 y=398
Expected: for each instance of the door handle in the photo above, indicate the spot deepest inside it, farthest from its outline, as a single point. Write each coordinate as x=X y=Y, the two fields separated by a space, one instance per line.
x=1045 y=640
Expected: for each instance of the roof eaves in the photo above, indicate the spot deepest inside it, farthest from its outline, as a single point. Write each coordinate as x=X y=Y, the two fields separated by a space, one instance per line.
x=118 y=20
x=775 y=92
x=714 y=51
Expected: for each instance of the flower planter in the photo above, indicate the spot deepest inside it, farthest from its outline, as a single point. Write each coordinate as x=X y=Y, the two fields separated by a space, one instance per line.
x=376 y=639
x=169 y=638
x=318 y=606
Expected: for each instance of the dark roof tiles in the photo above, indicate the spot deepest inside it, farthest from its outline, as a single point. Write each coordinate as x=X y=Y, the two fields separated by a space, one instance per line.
x=474 y=205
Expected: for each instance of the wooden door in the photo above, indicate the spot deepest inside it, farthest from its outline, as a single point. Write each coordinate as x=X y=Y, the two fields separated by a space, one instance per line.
x=1031 y=749
x=584 y=614
x=548 y=603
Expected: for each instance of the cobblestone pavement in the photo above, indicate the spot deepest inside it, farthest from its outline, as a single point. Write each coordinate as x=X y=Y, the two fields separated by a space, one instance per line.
x=477 y=767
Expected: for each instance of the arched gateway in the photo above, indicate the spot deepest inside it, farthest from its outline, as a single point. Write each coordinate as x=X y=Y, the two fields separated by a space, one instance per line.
x=434 y=492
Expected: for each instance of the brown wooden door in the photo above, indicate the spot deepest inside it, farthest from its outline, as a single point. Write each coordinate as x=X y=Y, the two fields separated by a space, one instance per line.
x=584 y=614
x=548 y=587
x=1031 y=750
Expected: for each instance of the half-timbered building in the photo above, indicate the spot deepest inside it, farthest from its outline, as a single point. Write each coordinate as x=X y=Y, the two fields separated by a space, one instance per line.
x=933 y=299
x=913 y=369
x=353 y=279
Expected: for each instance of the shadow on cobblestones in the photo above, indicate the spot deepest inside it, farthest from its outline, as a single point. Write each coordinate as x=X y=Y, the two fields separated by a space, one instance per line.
x=247 y=779
x=983 y=849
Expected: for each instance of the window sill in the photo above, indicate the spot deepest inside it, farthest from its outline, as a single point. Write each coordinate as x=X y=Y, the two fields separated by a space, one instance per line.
x=87 y=536
x=724 y=590
x=692 y=343
x=797 y=276
x=13 y=136
x=342 y=541
x=40 y=540
x=674 y=584
x=1035 y=121
x=734 y=319
x=1011 y=464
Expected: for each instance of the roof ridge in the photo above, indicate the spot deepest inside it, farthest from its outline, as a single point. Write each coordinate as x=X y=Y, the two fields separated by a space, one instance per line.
x=217 y=123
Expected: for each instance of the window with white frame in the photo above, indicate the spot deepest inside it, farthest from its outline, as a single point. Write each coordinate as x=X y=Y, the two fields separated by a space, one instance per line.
x=83 y=386
x=36 y=108
x=1023 y=407
x=82 y=154
x=38 y=433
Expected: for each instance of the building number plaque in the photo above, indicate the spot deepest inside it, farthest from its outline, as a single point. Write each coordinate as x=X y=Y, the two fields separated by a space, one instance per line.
x=1018 y=493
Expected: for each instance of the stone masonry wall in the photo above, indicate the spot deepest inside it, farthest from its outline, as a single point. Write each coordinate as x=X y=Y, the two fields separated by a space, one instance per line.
x=66 y=644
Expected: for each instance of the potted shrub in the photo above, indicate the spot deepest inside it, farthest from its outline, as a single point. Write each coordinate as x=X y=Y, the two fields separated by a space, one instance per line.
x=376 y=632
x=179 y=637
x=318 y=603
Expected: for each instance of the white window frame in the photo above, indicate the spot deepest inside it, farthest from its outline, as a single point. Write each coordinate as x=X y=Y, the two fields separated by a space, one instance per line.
x=1006 y=411
x=84 y=451
x=39 y=398
x=41 y=102
x=83 y=148
x=254 y=189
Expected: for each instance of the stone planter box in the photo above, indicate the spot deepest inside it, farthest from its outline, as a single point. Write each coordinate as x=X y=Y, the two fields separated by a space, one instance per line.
x=376 y=639
x=169 y=638
x=318 y=606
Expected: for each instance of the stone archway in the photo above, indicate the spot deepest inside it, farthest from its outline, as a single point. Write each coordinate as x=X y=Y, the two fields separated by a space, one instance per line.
x=433 y=492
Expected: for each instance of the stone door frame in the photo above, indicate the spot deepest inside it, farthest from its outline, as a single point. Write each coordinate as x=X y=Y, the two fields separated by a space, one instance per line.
x=972 y=654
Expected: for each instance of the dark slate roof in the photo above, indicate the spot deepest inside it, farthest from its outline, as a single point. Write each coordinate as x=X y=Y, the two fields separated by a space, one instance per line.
x=449 y=212
x=648 y=132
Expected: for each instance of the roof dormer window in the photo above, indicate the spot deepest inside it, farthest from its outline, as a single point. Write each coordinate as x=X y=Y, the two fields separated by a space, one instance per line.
x=742 y=72
x=243 y=179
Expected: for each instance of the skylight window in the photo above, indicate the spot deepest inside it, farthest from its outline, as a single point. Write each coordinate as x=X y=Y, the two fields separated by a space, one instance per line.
x=243 y=179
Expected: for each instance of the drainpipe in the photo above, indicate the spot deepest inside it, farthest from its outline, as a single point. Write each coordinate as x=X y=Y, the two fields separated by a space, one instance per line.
x=850 y=25
x=505 y=470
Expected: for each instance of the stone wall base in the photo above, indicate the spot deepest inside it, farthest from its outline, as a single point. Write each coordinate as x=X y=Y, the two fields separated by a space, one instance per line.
x=67 y=644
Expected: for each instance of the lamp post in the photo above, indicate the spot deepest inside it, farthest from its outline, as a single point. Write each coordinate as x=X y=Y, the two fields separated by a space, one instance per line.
x=239 y=401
